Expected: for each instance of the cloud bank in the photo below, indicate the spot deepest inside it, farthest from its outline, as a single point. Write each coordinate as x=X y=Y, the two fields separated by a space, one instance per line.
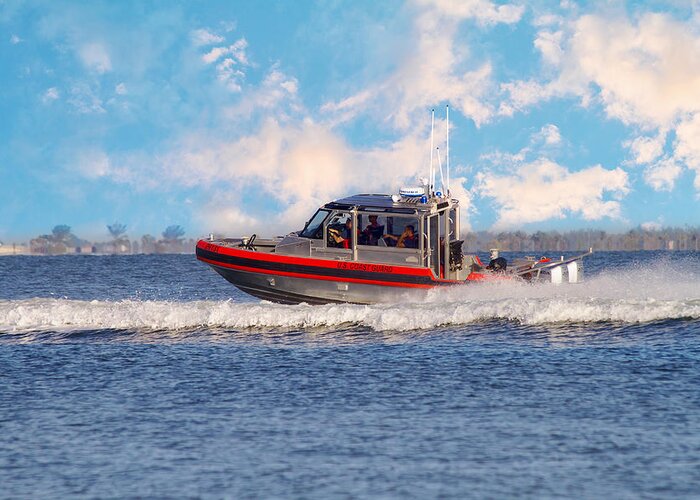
x=260 y=134
x=644 y=71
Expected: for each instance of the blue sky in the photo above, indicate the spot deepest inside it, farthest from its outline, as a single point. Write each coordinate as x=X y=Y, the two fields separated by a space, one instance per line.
x=244 y=116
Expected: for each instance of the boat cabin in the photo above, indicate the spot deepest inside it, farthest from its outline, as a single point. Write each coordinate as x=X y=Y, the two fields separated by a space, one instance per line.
x=384 y=229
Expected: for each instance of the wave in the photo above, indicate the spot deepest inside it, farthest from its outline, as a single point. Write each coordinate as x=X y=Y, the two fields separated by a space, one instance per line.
x=627 y=297
x=663 y=292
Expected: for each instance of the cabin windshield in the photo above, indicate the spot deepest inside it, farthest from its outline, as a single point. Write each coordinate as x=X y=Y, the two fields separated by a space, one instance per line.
x=314 y=228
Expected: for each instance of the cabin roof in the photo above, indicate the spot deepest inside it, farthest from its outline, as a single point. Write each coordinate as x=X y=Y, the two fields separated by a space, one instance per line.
x=381 y=203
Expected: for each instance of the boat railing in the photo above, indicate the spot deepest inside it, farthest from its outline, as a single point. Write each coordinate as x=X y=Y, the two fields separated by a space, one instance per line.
x=248 y=243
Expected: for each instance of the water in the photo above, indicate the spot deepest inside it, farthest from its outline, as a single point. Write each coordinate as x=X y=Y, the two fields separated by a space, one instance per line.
x=152 y=376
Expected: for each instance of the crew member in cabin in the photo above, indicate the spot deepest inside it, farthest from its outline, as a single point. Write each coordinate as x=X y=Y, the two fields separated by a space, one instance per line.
x=343 y=240
x=372 y=233
x=407 y=239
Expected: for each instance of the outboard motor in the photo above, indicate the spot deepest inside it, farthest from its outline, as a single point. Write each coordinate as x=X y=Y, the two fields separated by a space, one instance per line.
x=499 y=265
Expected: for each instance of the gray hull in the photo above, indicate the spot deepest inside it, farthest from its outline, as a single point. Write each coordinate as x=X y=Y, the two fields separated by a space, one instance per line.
x=292 y=290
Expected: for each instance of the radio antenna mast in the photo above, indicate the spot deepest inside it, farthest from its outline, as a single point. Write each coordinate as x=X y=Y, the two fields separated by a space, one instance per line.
x=447 y=139
x=431 y=175
x=442 y=179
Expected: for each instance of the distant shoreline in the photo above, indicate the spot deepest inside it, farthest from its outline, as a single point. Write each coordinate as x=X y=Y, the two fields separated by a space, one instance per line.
x=637 y=239
x=551 y=251
x=72 y=254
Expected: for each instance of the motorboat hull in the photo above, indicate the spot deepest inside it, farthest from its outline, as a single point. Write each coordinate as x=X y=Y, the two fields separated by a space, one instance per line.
x=290 y=290
x=294 y=280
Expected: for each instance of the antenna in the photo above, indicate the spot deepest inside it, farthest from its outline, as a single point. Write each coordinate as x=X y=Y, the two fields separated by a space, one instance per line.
x=432 y=170
x=447 y=139
x=442 y=179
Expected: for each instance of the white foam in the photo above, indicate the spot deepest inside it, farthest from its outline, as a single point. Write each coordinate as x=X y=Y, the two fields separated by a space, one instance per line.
x=629 y=296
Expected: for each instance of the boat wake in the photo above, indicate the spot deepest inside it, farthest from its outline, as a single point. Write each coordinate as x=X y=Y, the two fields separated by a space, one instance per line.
x=662 y=292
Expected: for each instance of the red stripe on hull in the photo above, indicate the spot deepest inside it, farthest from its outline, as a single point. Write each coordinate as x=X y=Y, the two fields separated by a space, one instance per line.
x=308 y=261
x=311 y=276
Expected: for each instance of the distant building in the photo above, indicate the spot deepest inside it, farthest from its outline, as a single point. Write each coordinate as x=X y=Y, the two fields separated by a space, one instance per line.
x=119 y=247
x=14 y=249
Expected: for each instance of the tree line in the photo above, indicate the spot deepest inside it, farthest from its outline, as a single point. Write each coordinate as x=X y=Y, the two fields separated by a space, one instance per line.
x=581 y=240
x=61 y=240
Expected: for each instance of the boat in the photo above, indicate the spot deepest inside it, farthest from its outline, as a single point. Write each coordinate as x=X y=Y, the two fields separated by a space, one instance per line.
x=370 y=248
x=327 y=261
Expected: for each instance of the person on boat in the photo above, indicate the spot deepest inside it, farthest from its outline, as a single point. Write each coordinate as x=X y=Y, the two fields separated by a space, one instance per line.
x=372 y=233
x=343 y=240
x=499 y=264
x=407 y=239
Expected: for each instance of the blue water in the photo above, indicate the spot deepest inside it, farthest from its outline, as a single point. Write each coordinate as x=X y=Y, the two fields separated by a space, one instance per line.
x=151 y=376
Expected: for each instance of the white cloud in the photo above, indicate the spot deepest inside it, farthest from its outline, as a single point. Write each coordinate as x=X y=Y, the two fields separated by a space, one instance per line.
x=542 y=190
x=295 y=163
x=51 y=94
x=662 y=175
x=528 y=187
x=85 y=100
x=228 y=26
x=687 y=145
x=95 y=56
x=547 y=20
x=522 y=95
x=483 y=11
x=277 y=91
x=291 y=167
x=14 y=39
x=229 y=75
x=292 y=162
x=229 y=219
x=203 y=37
x=120 y=89
x=647 y=149
x=651 y=226
x=348 y=103
x=549 y=45
x=645 y=71
x=236 y=51
x=230 y=61
x=540 y=143
x=286 y=161
x=290 y=85
x=500 y=158
x=93 y=164
x=432 y=69
x=549 y=134
x=648 y=72
x=214 y=54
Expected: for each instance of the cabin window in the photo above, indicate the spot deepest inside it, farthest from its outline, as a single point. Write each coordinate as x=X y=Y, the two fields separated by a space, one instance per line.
x=339 y=231
x=453 y=225
x=435 y=236
x=314 y=228
x=382 y=230
x=402 y=232
x=372 y=229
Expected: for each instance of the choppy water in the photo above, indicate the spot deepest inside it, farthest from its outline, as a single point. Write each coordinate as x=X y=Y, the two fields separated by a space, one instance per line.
x=152 y=376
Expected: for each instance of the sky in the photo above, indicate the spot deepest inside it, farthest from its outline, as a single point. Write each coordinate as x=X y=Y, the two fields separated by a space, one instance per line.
x=236 y=116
